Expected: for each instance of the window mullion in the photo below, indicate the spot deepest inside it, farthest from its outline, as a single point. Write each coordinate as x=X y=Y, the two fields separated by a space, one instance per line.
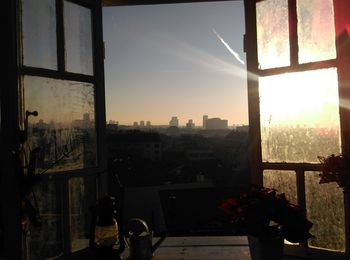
x=299 y=68
x=65 y=217
x=342 y=33
x=293 y=32
x=301 y=188
x=60 y=36
x=251 y=49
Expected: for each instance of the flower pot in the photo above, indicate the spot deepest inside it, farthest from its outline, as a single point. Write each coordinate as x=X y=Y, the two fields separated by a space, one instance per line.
x=266 y=248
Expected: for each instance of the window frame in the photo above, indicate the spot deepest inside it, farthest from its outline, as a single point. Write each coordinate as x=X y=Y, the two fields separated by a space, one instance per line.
x=99 y=172
x=257 y=164
x=10 y=108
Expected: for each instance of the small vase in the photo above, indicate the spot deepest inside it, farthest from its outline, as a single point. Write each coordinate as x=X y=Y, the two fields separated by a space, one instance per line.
x=266 y=248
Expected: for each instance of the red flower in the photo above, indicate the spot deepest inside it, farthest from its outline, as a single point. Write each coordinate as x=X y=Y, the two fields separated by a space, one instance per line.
x=229 y=206
x=253 y=212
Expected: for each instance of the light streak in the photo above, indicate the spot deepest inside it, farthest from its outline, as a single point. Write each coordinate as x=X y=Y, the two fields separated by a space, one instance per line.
x=235 y=54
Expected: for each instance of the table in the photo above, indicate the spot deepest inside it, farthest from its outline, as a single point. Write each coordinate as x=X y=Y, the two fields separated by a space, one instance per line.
x=202 y=248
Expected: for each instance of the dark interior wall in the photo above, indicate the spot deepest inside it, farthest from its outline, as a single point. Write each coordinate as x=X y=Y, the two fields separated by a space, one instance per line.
x=9 y=181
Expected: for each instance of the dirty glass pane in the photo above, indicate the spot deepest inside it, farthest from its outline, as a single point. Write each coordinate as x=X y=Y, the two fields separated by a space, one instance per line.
x=45 y=238
x=299 y=116
x=282 y=181
x=39 y=33
x=325 y=208
x=64 y=130
x=82 y=195
x=78 y=38
x=272 y=33
x=316 y=31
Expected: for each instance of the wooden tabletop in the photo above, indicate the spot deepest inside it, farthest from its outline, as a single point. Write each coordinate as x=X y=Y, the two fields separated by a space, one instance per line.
x=202 y=248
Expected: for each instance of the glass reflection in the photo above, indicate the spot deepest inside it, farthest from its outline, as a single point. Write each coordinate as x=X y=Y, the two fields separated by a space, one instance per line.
x=82 y=192
x=316 y=30
x=64 y=130
x=39 y=33
x=272 y=33
x=299 y=116
x=325 y=208
x=45 y=239
x=282 y=181
x=78 y=38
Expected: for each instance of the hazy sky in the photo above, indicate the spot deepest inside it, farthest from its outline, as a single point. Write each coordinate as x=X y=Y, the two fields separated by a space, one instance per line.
x=183 y=60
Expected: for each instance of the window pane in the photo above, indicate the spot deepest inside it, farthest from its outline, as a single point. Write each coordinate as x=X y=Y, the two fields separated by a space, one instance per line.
x=78 y=37
x=282 y=181
x=272 y=33
x=82 y=194
x=325 y=208
x=316 y=31
x=299 y=116
x=64 y=129
x=46 y=240
x=39 y=33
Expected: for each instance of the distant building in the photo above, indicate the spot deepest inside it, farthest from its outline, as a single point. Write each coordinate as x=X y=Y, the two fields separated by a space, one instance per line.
x=85 y=123
x=136 y=124
x=113 y=122
x=243 y=128
x=148 y=123
x=142 y=123
x=190 y=124
x=200 y=154
x=174 y=121
x=41 y=124
x=216 y=123
x=112 y=125
x=173 y=131
x=135 y=143
x=205 y=118
x=86 y=117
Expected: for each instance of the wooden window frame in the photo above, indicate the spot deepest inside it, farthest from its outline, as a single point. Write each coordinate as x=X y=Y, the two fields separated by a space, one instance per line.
x=97 y=79
x=341 y=62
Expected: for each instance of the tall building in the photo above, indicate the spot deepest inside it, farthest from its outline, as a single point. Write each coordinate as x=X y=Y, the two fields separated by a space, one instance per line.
x=142 y=123
x=190 y=124
x=174 y=121
x=205 y=118
x=216 y=123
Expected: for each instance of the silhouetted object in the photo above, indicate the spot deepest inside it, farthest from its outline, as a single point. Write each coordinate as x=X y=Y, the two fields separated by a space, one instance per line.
x=106 y=240
x=140 y=238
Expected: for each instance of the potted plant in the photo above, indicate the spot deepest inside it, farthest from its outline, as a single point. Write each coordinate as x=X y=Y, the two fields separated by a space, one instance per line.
x=335 y=168
x=267 y=217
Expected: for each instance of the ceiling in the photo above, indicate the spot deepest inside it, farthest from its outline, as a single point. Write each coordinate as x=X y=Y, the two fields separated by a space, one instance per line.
x=148 y=2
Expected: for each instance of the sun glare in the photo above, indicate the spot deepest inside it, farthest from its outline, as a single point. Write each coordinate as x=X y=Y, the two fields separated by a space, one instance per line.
x=304 y=98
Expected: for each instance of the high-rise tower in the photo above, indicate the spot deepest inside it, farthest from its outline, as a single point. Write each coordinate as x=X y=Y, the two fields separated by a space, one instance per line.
x=205 y=118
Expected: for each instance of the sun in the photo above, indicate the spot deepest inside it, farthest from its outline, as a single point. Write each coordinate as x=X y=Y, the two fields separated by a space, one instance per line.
x=301 y=98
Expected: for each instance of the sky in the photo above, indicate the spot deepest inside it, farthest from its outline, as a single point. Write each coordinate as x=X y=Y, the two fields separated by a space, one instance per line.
x=183 y=60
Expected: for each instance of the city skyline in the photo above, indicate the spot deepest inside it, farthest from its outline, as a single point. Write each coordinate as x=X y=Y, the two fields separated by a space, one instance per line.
x=181 y=122
x=174 y=121
x=181 y=60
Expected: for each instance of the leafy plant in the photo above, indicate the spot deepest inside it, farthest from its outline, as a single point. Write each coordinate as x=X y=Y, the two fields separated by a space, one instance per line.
x=335 y=168
x=263 y=212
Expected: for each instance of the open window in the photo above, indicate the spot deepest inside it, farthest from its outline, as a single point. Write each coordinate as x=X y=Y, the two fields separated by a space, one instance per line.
x=59 y=67
x=176 y=106
x=62 y=121
x=297 y=100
